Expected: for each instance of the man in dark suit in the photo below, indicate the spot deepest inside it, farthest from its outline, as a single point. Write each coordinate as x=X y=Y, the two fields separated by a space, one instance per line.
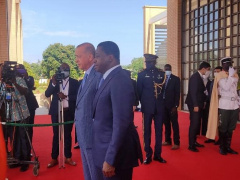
x=171 y=97
x=116 y=146
x=31 y=102
x=196 y=100
x=149 y=85
x=85 y=54
x=67 y=92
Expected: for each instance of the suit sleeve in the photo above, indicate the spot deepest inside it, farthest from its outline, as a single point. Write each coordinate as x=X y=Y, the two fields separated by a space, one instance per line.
x=74 y=89
x=194 y=91
x=136 y=100
x=50 y=90
x=122 y=116
x=177 y=91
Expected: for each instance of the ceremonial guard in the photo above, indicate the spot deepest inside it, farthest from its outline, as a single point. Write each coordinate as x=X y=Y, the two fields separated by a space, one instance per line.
x=149 y=85
x=224 y=106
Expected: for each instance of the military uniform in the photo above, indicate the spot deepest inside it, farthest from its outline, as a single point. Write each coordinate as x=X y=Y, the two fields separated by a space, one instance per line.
x=149 y=86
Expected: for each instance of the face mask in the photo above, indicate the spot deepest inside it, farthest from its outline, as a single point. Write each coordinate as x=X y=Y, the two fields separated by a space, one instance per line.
x=168 y=73
x=215 y=74
x=66 y=73
x=207 y=74
x=21 y=71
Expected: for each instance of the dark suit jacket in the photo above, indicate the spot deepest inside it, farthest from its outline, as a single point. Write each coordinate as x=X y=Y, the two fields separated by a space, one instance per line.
x=196 y=96
x=172 y=92
x=115 y=139
x=146 y=90
x=30 y=97
x=72 y=96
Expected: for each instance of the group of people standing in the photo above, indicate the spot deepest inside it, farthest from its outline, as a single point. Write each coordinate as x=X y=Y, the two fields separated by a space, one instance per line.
x=215 y=103
x=103 y=106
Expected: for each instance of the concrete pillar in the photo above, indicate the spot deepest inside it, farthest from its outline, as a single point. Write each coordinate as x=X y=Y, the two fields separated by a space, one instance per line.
x=174 y=26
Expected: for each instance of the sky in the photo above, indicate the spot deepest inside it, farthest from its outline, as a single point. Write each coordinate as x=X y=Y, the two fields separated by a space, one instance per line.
x=72 y=22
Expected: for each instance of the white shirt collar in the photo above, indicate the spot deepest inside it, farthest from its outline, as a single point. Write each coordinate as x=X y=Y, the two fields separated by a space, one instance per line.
x=200 y=74
x=109 y=71
x=89 y=70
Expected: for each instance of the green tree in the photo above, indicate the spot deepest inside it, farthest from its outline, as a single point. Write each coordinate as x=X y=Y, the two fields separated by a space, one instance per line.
x=55 y=55
x=135 y=66
x=29 y=69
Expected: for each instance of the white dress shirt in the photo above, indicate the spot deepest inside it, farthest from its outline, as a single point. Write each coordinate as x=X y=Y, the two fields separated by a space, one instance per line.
x=64 y=88
x=227 y=89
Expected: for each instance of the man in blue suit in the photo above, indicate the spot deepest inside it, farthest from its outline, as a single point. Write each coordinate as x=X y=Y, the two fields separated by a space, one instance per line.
x=67 y=92
x=116 y=146
x=85 y=54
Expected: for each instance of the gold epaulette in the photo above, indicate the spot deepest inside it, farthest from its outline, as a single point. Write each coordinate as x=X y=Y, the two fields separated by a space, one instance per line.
x=159 y=69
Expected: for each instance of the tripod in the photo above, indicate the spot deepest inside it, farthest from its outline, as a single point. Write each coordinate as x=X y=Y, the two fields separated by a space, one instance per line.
x=61 y=130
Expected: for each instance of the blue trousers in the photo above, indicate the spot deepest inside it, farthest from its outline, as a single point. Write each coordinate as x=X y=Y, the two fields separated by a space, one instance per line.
x=89 y=168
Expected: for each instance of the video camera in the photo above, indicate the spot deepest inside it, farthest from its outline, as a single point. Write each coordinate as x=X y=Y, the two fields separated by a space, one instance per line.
x=59 y=76
x=9 y=71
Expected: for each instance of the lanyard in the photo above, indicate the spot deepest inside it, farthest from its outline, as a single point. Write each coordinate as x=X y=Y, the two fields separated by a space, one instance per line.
x=63 y=87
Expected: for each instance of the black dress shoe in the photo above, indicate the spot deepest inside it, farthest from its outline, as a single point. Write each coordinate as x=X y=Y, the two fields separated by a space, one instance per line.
x=24 y=167
x=223 y=151
x=147 y=161
x=193 y=149
x=159 y=159
x=231 y=151
x=198 y=145
x=209 y=141
x=76 y=147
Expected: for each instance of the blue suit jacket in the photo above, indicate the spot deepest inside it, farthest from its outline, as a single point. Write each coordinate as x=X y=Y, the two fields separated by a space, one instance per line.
x=115 y=139
x=72 y=96
x=83 y=112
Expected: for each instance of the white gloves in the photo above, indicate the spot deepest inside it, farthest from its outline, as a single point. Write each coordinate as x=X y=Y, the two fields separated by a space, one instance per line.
x=231 y=71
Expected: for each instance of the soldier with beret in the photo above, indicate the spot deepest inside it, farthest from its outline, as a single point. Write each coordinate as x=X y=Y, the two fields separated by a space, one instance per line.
x=149 y=86
x=224 y=106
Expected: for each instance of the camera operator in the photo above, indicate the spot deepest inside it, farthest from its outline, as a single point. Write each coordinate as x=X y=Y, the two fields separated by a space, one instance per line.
x=19 y=113
x=30 y=98
x=67 y=92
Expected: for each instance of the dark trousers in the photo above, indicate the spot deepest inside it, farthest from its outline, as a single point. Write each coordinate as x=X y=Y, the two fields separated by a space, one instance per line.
x=194 y=125
x=21 y=143
x=31 y=121
x=67 y=136
x=227 y=120
x=171 y=119
x=147 y=127
x=120 y=174
x=204 y=120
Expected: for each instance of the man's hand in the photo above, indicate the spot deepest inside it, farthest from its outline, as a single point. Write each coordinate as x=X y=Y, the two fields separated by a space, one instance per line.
x=54 y=81
x=174 y=110
x=134 y=108
x=231 y=71
x=61 y=95
x=195 y=109
x=108 y=170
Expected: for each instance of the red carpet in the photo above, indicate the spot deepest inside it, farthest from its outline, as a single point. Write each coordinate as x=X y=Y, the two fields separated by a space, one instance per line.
x=181 y=164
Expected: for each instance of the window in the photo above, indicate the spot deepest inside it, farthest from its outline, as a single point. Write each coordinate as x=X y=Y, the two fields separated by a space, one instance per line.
x=214 y=32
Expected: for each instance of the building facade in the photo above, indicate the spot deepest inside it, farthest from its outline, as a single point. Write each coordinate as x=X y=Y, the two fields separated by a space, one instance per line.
x=155 y=32
x=201 y=30
x=11 y=39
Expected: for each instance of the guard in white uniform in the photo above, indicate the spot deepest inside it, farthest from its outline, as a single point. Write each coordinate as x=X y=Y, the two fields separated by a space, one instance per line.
x=228 y=106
